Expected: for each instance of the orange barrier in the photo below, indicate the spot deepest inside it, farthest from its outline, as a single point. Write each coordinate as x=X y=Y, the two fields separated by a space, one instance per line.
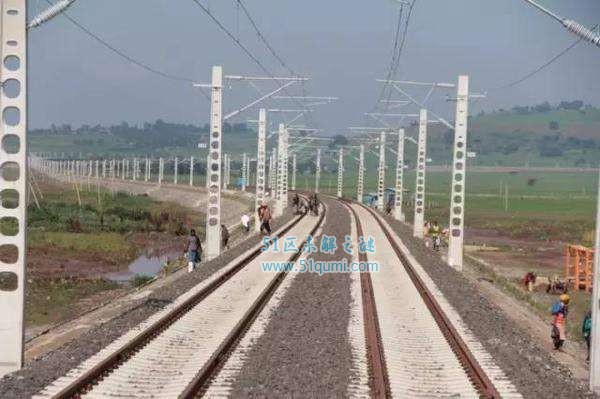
x=579 y=266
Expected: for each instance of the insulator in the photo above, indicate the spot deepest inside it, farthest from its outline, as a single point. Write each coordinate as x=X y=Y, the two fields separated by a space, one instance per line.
x=582 y=31
x=50 y=13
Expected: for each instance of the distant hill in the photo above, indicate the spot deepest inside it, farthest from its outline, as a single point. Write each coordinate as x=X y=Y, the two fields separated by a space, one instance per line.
x=565 y=135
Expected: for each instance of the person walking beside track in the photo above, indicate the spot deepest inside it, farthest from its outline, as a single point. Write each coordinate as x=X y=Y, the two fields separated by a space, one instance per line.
x=560 y=310
x=586 y=330
x=264 y=214
x=193 y=248
x=434 y=233
x=224 y=237
x=246 y=222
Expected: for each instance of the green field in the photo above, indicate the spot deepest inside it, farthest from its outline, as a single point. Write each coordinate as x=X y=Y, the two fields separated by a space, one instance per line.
x=541 y=205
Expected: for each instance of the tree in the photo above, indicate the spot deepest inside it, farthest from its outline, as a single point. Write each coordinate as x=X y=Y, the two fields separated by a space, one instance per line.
x=553 y=125
x=339 y=140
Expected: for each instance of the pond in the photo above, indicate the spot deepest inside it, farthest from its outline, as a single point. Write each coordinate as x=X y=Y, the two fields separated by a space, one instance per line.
x=144 y=265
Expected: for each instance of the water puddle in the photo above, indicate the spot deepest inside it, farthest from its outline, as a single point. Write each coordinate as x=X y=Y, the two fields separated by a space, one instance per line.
x=144 y=265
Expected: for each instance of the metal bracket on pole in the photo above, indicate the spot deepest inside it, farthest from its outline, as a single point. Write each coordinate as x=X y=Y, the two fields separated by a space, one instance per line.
x=13 y=68
x=457 y=199
x=381 y=170
x=419 y=219
x=213 y=214
x=398 y=214
x=261 y=154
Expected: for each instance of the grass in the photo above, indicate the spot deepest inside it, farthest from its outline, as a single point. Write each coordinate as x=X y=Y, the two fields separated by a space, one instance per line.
x=52 y=300
x=540 y=302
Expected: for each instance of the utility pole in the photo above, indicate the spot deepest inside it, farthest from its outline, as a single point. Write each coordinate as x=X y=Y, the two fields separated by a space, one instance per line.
x=175 y=170
x=281 y=202
x=318 y=171
x=360 y=187
x=595 y=338
x=398 y=215
x=244 y=171
x=294 y=172
x=457 y=199
x=13 y=52
x=161 y=166
x=419 y=220
x=381 y=178
x=191 y=171
x=340 y=185
x=213 y=214
x=261 y=154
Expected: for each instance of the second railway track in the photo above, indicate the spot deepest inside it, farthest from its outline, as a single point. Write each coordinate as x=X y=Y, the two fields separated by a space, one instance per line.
x=175 y=352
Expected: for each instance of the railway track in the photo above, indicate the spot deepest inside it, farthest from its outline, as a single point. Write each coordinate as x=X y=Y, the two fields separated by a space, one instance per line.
x=413 y=346
x=176 y=352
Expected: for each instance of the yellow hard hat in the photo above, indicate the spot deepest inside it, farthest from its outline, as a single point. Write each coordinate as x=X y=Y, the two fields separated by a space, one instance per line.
x=565 y=298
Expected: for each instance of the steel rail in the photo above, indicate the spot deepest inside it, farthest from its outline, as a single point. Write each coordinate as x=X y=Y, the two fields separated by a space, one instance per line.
x=379 y=380
x=472 y=367
x=96 y=373
x=215 y=362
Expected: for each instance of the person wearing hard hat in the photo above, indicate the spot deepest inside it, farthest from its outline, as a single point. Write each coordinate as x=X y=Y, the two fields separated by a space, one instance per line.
x=559 y=320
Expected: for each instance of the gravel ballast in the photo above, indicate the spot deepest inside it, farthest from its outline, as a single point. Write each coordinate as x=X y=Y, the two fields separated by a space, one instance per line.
x=41 y=371
x=304 y=351
x=528 y=365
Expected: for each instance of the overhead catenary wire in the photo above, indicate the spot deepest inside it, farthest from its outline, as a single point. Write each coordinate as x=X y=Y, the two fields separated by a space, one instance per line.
x=542 y=67
x=125 y=56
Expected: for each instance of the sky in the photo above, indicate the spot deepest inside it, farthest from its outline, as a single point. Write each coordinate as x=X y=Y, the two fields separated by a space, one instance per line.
x=343 y=46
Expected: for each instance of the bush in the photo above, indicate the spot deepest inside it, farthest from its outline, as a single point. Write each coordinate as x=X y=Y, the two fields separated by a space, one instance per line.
x=140 y=279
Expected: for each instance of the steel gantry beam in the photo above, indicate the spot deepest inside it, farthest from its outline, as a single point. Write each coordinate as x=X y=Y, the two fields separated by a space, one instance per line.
x=381 y=171
x=457 y=199
x=13 y=72
x=261 y=155
x=213 y=214
x=398 y=214
x=419 y=219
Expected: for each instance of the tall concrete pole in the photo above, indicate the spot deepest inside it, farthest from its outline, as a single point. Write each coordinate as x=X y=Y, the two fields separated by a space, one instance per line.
x=286 y=163
x=419 y=220
x=340 y=182
x=13 y=52
x=147 y=177
x=244 y=172
x=398 y=214
x=260 y=163
x=213 y=214
x=248 y=171
x=281 y=166
x=318 y=171
x=191 y=171
x=595 y=307
x=381 y=170
x=175 y=170
x=161 y=167
x=294 y=172
x=457 y=200
x=360 y=186
x=207 y=172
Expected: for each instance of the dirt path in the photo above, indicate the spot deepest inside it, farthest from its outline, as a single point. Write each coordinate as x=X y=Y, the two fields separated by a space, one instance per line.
x=573 y=356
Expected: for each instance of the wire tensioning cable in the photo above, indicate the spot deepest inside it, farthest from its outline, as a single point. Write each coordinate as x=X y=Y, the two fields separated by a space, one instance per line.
x=125 y=56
